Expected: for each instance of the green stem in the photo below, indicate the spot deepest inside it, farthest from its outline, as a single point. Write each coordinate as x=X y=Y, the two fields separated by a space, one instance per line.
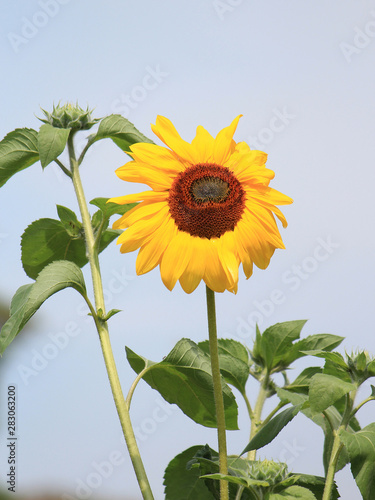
x=257 y=414
x=337 y=447
x=273 y=412
x=63 y=168
x=218 y=391
x=102 y=327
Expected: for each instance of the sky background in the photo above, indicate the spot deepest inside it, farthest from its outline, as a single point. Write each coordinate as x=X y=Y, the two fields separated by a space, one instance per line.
x=303 y=76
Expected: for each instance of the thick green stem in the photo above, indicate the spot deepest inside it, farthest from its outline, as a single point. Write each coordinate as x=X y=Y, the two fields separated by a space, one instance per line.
x=218 y=391
x=102 y=327
x=257 y=413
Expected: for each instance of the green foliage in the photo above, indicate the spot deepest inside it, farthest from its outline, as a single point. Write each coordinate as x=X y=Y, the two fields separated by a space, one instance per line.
x=272 y=428
x=184 y=378
x=361 y=449
x=275 y=349
x=121 y=131
x=69 y=116
x=234 y=361
x=182 y=483
x=28 y=298
x=51 y=143
x=18 y=150
x=325 y=390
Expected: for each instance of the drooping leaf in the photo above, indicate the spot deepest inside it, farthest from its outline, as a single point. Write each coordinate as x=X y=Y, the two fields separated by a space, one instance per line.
x=121 y=131
x=18 y=150
x=28 y=298
x=272 y=428
x=361 y=449
x=182 y=483
x=233 y=360
x=51 y=143
x=302 y=381
x=184 y=378
x=325 y=390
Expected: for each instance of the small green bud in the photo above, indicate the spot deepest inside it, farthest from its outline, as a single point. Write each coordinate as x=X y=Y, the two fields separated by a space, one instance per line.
x=70 y=116
x=361 y=366
x=267 y=470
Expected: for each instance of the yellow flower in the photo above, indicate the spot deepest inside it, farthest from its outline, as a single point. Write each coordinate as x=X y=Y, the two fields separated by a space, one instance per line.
x=209 y=210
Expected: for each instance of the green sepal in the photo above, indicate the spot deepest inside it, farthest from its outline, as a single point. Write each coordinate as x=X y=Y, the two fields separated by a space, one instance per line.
x=18 y=150
x=28 y=298
x=184 y=378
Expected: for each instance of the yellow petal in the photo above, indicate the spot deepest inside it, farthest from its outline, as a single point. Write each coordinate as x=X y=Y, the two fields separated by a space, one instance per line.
x=194 y=271
x=142 y=212
x=151 y=252
x=203 y=143
x=157 y=157
x=144 y=196
x=215 y=276
x=228 y=256
x=175 y=259
x=244 y=256
x=264 y=220
x=167 y=133
x=135 y=172
x=224 y=144
x=132 y=238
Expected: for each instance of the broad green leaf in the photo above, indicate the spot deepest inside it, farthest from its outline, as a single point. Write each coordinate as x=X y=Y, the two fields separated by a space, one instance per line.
x=316 y=485
x=48 y=240
x=182 y=483
x=184 y=378
x=272 y=428
x=334 y=357
x=28 y=299
x=234 y=361
x=361 y=449
x=18 y=150
x=292 y=493
x=325 y=390
x=121 y=131
x=242 y=481
x=277 y=341
x=51 y=143
x=320 y=341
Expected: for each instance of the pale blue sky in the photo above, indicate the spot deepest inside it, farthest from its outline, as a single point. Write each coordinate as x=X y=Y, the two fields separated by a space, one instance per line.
x=302 y=74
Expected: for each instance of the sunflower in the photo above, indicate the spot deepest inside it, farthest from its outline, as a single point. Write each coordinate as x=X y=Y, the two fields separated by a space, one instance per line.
x=209 y=210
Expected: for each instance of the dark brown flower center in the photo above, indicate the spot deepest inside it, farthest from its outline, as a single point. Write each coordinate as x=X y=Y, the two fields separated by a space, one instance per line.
x=206 y=200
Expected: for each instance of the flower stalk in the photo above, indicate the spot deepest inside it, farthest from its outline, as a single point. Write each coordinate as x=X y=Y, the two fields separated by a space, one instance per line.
x=256 y=422
x=102 y=328
x=218 y=392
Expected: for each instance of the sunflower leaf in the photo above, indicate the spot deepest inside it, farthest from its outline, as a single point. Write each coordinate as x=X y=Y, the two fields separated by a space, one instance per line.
x=110 y=208
x=182 y=483
x=28 y=298
x=234 y=361
x=361 y=449
x=48 y=240
x=184 y=378
x=121 y=131
x=51 y=143
x=325 y=390
x=272 y=428
x=18 y=150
